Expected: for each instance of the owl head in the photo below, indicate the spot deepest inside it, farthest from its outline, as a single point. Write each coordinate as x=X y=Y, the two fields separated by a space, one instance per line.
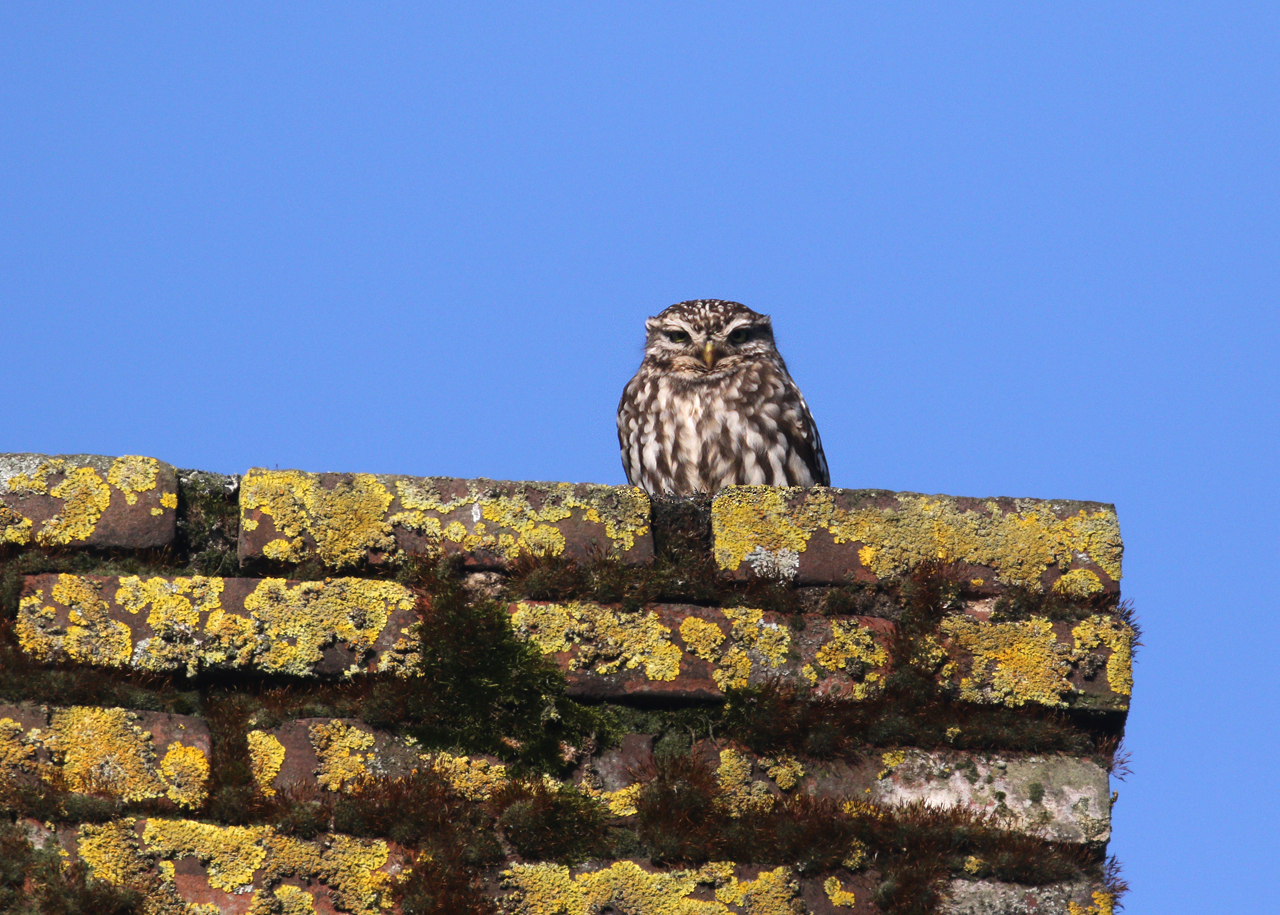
x=706 y=338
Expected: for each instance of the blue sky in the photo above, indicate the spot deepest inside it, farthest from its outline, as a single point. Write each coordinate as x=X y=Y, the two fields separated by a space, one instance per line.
x=1008 y=249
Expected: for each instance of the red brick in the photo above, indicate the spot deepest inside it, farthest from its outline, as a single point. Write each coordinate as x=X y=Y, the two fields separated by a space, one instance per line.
x=695 y=653
x=340 y=625
x=349 y=519
x=87 y=500
x=830 y=536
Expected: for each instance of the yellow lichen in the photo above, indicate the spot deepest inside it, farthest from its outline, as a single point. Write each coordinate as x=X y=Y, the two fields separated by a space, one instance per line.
x=550 y=889
x=520 y=527
x=622 y=803
x=1078 y=583
x=772 y=891
x=837 y=893
x=345 y=522
x=91 y=636
x=286 y=629
x=854 y=649
x=285 y=899
x=132 y=474
x=104 y=750
x=857 y=856
x=734 y=671
x=17 y=755
x=115 y=855
x=1103 y=904
x=749 y=635
x=701 y=637
x=14 y=528
x=1013 y=663
x=891 y=759
x=266 y=756
x=786 y=771
x=354 y=870
x=293 y=624
x=169 y=500
x=606 y=640
x=751 y=631
x=231 y=853
x=739 y=793
x=1107 y=631
x=1020 y=545
x=974 y=865
x=85 y=496
x=352 y=519
x=174 y=608
x=185 y=772
x=344 y=752
x=473 y=778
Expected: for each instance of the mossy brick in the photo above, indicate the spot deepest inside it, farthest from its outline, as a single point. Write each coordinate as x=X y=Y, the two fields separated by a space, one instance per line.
x=1062 y=799
x=196 y=623
x=339 y=754
x=830 y=536
x=696 y=653
x=718 y=888
x=1059 y=798
x=123 y=754
x=184 y=866
x=87 y=500
x=690 y=652
x=988 y=897
x=345 y=520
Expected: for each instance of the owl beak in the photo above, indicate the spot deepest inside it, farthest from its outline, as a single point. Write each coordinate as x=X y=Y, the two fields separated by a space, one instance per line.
x=709 y=354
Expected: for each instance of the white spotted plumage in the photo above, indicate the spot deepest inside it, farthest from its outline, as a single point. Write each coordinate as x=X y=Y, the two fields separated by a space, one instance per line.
x=713 y=405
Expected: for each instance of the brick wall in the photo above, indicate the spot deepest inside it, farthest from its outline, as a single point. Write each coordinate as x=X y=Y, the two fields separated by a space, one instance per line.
x=290 y=692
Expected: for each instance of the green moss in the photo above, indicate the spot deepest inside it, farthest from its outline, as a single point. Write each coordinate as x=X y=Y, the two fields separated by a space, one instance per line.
x=36 y=881
x=208 y=522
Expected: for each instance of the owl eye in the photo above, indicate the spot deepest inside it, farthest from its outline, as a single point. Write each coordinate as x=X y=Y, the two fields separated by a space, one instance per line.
x=739 y=336
x=677 y=336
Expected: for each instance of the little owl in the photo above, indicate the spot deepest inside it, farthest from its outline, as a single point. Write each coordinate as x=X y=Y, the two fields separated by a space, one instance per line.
x=712 y=405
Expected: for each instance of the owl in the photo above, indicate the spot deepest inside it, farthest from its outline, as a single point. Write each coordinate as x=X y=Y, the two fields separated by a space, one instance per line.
x=712 y=405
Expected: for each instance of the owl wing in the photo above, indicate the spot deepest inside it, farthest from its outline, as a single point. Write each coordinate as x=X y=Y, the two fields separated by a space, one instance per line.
x=634 y=410
x=806 y=464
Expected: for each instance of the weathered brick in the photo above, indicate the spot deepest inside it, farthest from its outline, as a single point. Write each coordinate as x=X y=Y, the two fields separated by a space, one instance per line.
x=987 y=897
x=274 y=626
x=718 y=888
x=348 y=519
x=829 y=536
x=1058 y=798
x=133 y=756
x=337 y=754
x=87 y=500
x=235 y=869
x=694 y=653
x=726 y=888
x=1054 y=797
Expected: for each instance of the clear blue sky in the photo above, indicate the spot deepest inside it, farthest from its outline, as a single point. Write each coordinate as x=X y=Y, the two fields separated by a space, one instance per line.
x=1009 y=249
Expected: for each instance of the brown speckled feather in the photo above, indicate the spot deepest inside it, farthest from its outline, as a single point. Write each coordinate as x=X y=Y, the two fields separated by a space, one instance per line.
x=713 y=405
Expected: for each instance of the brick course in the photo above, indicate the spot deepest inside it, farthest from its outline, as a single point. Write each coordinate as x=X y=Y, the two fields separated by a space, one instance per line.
x=261 y=643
